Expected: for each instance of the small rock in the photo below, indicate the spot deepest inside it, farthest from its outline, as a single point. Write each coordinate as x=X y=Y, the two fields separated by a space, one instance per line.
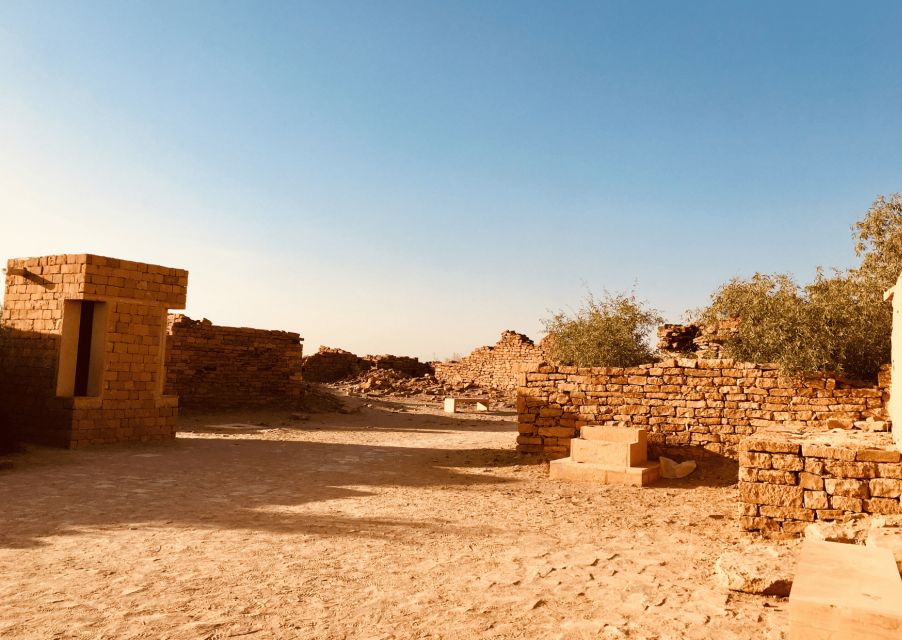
x=839 y=423
x=759 y=569
x=672 y=469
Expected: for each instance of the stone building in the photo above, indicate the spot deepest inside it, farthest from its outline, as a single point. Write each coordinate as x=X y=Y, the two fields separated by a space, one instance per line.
x=82 y=350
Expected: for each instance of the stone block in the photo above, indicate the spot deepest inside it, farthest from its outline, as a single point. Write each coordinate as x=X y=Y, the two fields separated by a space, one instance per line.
x=849 y=488
x=811 y=481
x=569 y=470
x=624 y=454
x=612 y=433
x=816 y=500
x=886 y=487
x=845 y=591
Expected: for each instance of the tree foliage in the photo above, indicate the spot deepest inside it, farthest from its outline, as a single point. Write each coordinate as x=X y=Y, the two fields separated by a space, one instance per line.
x=837 y=323
x=611 y=331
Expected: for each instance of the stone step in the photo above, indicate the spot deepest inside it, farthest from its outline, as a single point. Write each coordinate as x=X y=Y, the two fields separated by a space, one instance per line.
x=610 y=433
x=615 y=454
x=845 y=591
x=572 y=471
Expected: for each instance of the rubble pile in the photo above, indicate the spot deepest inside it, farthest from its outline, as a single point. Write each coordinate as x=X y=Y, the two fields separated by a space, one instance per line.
x=332 y=365
x=705 y=341
x=709 y=343
x=677 y=338
x=376 y=383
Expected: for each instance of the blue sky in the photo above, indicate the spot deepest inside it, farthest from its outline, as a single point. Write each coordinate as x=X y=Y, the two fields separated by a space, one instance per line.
x=416 y=177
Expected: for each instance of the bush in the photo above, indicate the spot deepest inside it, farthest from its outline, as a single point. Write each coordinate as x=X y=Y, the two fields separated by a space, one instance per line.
x=837 y=324
x=609 y=332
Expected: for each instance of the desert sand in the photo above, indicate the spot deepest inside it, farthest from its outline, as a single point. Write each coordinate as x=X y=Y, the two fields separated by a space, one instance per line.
x=394 y=521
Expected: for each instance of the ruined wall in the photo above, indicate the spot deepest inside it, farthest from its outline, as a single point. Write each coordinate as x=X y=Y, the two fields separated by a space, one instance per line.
x=706 y=341
x=789 y=479
x=404 y=365
x=710 y=405
x=215 y=368
x=496 y=367
x=331 y=365
x=128 y=404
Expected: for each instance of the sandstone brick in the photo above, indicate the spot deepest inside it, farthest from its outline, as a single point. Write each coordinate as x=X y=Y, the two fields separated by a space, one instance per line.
x=877 y=455
x=889 y=470
x=855 y=505
x=777 y=476
x=771 y=494
x=849 y=488
x=789 y=513
x=787 y=462
x=755 y=460
x=827 y=452
x=886 y=487
x=816 y=500
x=851 y=469
x=811 y=481
x=884 y=506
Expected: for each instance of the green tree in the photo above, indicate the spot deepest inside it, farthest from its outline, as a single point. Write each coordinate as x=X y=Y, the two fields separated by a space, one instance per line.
x=837 y=323
x=612 y=331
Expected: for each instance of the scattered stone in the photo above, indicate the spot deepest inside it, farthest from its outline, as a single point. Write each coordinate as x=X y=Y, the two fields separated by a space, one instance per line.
x=853 y=530
x=760 y=570
x=672 y=469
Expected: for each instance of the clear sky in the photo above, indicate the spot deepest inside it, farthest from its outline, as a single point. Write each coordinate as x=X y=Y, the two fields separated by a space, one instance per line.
x=415 y=177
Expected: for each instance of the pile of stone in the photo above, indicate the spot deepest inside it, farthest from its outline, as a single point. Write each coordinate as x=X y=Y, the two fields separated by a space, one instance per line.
x=378 y=383
x=332 y=365
x=677 y=338
x=711 y=338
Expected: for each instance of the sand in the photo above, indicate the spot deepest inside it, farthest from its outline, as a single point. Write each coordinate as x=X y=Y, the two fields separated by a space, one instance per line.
x=397 y=521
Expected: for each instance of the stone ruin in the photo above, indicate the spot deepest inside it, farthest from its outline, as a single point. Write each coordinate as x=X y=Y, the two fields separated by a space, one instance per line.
x=496 y=367
x=703 y=341
x=83 y=349
x=333 y=365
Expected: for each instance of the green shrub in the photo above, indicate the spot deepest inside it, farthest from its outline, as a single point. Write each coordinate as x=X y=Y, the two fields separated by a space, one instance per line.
x=838 y=324
x=609 y=332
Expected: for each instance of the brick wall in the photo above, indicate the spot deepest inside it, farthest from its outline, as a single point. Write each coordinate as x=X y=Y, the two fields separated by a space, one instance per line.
x=215 y=368
x=789 y=478
x=708 y=405
x=128 y=403
x=496 y=367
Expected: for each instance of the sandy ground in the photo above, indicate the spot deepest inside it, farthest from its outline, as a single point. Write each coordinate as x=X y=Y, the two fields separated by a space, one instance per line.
x=394 y=522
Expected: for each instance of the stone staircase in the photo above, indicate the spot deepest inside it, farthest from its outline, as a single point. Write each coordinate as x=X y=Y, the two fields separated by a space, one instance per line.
x=607 y=454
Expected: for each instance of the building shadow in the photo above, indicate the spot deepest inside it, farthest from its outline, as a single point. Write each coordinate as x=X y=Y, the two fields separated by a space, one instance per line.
x=225 y=483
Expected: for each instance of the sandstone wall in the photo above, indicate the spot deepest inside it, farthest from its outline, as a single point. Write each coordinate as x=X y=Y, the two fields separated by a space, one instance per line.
x=497 y=367
x=709 y=405
x=789 y=480
x=216 y=368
